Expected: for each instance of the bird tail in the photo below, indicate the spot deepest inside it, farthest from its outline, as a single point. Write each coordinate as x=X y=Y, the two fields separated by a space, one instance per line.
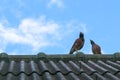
x=71 y=51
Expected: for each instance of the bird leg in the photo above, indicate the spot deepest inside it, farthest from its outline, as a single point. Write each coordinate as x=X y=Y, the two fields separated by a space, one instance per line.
x=76 y=51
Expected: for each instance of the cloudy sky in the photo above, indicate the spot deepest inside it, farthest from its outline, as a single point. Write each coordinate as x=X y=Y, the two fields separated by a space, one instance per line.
x=51 y=26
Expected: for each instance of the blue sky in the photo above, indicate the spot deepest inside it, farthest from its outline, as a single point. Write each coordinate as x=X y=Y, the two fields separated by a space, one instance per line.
x=51 y=26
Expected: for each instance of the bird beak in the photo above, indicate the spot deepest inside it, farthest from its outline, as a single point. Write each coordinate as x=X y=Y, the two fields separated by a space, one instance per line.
x=90 y=40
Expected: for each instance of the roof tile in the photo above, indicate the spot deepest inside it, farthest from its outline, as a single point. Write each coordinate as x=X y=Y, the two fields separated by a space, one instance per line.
x=85 y=76
x=72 y=76
x=60 y=76
x=42 y=67
x=87 y=68
x=4 y=67
x=97 y=67
x=22 y=66
x=103 y=71
x=35 y=76
x=54 y=68
x=113 y=64
x=97 y=76
x=118 y=62
x=47 y=76
x=75 y=68
x=108 y=67
x=64 y=68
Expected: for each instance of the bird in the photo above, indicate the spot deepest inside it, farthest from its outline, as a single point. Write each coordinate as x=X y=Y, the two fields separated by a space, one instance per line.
x=78 y=44
x=96 y=49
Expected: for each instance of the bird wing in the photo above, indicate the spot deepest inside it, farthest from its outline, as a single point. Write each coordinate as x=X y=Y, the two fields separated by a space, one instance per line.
x=79 y=44
x=72 y=48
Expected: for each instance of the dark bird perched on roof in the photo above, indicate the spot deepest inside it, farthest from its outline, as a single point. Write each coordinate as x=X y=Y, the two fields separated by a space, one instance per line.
x=78 y=44
x=96 y=49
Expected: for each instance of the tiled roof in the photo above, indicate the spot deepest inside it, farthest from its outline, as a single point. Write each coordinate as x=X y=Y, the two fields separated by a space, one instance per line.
x=60 y=67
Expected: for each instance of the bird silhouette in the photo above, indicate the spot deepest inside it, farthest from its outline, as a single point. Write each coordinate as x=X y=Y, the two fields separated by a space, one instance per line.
x=96 y=49
x=78 y=44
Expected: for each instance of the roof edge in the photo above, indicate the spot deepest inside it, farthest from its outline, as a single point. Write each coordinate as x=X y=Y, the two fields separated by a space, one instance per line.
x=65 y=57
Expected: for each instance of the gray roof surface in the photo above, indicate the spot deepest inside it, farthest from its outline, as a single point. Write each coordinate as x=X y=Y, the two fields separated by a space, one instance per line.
x=60 y=67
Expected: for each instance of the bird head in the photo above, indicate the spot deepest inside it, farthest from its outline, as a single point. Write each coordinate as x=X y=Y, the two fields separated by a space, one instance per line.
x=92 y=42
x=81 y=35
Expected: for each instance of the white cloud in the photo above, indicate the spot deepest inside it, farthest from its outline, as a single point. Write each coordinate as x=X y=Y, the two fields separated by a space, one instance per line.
x=31 y=32
x=58 y=3
x=37 y=33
